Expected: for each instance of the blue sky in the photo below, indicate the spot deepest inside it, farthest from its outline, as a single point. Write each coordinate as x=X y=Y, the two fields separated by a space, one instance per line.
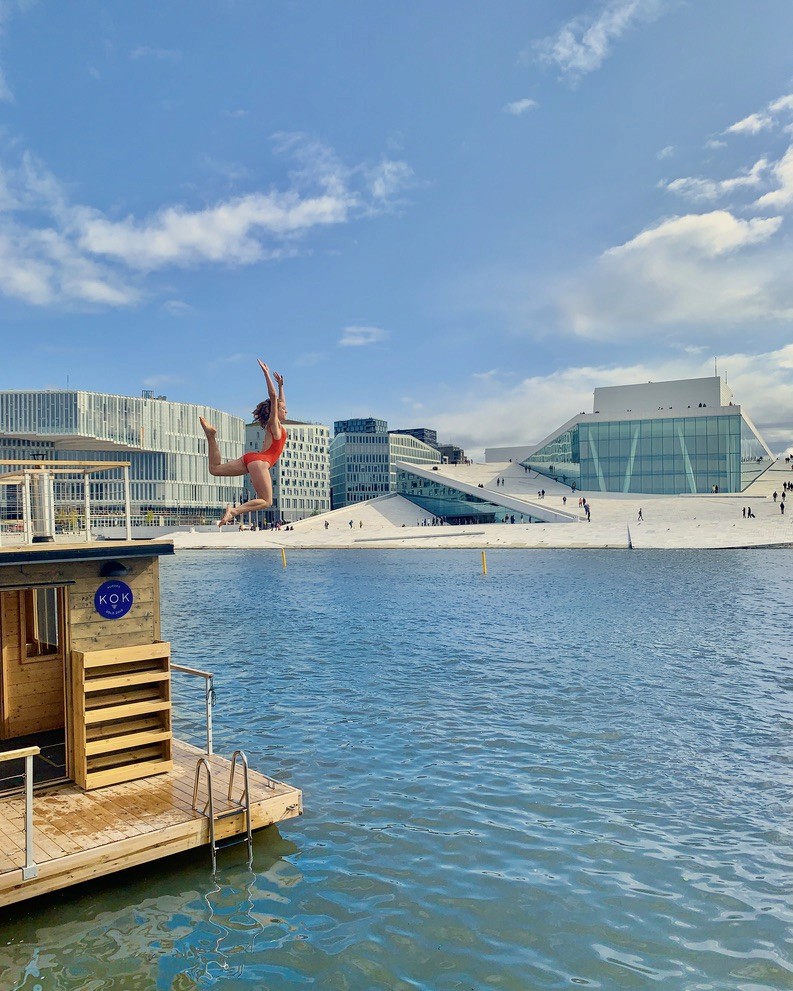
x=452 y=214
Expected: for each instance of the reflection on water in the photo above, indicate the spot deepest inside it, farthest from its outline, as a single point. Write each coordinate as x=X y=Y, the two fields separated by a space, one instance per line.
x=575 y=771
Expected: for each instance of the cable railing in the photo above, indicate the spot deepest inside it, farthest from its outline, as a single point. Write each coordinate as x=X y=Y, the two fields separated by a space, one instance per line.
x=209 y=697
x=30 y=868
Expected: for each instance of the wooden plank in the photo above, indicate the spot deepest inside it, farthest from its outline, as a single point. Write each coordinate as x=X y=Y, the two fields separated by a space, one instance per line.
x=128 y=773
x=103 y=746
x=138 y=755
x=22 y=752
x=125 y=680
x=142 y=724
x=117 y=655
x=113 y=700
x=115 y=712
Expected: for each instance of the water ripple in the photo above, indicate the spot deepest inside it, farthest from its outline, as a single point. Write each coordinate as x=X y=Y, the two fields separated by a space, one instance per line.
x=576 y=772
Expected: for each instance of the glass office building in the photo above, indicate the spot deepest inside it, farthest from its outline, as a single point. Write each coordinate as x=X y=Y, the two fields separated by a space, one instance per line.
x=671 y=449
x=363 y=456
x=162 y=440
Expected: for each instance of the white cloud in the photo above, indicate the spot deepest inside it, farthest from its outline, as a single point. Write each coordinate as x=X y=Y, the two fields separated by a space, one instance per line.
x=783 y=195
x=355 y=336
x=714 y=189
x=500 y=415
x=518 y=107
x=667 y=152
x=751 y=124
x=710 y=270
x=389 y=179
x=54 y=252
x=584 y=43
x=763 y=120
x=228 y=232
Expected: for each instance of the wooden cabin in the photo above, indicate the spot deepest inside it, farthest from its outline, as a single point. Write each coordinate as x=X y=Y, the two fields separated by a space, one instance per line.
x=92 y=780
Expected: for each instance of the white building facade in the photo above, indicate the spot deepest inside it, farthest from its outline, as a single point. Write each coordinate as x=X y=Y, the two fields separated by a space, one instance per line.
x=301 y=476
x=162 y=440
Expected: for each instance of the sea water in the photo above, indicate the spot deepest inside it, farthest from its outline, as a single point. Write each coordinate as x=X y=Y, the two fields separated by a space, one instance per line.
x=575 y=771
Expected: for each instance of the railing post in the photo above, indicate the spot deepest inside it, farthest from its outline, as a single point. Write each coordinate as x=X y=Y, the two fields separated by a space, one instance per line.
x=27 y=520
x=127 y=507
x=210 y=699
x=87 y=504
x=31 y=869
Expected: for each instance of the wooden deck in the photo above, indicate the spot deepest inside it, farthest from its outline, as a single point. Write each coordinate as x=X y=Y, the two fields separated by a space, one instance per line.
x=79 y=835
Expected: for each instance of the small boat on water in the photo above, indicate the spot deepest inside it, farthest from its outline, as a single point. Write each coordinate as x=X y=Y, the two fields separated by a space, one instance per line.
x=92 y=779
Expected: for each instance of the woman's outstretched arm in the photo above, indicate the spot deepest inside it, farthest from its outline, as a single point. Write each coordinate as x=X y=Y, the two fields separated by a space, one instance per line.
x=270 y=387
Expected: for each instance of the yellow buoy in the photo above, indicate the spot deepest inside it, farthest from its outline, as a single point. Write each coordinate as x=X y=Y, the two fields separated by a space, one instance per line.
x=484 y=563
x=283 y=556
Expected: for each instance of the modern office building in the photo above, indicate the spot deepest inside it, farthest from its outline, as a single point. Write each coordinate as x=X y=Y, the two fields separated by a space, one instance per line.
x=450 y=453
x=421 y=433
x=301 y=476
x=684 y=436
x=363 y=456
x=162 y=440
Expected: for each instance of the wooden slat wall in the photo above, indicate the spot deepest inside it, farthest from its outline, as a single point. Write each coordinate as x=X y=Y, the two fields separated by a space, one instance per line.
x=122 y=721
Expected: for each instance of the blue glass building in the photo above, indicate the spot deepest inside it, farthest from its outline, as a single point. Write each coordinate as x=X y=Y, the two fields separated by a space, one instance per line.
x=666 y=438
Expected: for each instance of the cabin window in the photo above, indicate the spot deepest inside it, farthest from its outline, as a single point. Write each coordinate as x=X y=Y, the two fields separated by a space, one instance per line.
x=42 y=625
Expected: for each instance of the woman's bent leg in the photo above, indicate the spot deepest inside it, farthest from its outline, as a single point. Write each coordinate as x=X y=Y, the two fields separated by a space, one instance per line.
x=263 y=485
x=216 y=465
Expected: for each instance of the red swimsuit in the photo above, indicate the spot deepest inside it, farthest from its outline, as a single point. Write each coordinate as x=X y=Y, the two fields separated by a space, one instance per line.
x=271 y=455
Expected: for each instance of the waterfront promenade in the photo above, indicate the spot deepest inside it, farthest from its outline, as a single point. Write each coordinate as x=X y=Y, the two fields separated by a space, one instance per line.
x=670 y=522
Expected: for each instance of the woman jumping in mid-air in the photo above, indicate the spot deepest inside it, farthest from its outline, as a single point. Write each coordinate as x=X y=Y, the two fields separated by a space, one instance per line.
x=257 y=464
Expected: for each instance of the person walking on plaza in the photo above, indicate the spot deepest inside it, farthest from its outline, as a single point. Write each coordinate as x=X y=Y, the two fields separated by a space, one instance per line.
x=640 y=518
x=257 y=464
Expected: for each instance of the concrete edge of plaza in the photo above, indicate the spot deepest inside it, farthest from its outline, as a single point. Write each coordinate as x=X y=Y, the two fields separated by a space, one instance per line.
x=684 y=522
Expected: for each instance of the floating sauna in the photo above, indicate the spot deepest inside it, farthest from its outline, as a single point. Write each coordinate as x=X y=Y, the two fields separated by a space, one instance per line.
x=92 y=780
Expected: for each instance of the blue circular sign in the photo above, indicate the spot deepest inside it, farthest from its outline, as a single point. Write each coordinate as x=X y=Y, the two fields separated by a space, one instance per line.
x=113 y=599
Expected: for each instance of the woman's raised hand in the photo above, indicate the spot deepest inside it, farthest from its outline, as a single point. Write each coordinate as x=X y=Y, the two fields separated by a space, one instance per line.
x=279 y=379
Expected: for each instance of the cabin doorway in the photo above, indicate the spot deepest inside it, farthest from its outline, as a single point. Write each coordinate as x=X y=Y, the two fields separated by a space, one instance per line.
x=33 y=683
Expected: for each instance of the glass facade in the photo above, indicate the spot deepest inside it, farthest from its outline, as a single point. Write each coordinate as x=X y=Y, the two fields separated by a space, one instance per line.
x=359 y=467
x=363 y=463
x=163 y=441
x=452 y=505
x=662 y=455
x=406 y=447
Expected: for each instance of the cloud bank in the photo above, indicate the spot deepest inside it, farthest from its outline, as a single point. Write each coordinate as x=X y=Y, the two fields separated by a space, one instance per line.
x=494 y=413
x=52 y=251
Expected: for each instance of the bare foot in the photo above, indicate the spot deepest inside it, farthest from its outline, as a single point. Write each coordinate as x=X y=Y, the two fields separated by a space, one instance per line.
x=208 y=429
x=228 y=517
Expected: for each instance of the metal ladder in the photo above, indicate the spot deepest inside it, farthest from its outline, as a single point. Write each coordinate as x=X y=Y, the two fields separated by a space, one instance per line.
x=242 y=804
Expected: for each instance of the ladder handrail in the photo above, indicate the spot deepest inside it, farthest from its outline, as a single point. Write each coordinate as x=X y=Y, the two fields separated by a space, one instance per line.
x=209 y=803
x=243 y=804
x=246 y=794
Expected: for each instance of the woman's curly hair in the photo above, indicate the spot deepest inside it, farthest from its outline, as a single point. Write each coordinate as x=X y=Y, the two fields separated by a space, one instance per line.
x=262 y=412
